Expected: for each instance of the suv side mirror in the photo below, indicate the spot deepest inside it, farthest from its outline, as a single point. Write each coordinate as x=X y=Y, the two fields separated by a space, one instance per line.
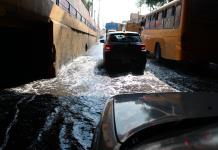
x=102 y=41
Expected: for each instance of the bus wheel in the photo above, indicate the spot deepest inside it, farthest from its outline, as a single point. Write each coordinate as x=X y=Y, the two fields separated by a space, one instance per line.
x=157 y=53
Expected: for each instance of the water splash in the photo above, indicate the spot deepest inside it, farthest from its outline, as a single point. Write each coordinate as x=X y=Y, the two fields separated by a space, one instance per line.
x=83 y=86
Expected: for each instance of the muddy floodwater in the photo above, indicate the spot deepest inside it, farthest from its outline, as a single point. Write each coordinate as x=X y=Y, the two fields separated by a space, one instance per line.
x=62 y=113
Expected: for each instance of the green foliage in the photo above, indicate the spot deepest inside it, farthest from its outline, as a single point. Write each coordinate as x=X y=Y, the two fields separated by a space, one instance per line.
x=84 y=2
x=139 y=3
x=87 y=3
x=151 y=3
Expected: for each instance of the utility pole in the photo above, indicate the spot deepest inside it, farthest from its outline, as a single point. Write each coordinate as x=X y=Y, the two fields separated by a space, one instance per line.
x=92 y=8
x=140 y=8
x=99 y=9
x=94 y=16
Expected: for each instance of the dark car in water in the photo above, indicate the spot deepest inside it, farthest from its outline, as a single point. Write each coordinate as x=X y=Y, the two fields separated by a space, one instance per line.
x=163 y=121
x=122 y=48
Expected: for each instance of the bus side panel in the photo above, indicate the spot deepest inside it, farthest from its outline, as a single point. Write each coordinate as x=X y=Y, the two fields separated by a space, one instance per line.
x=172 y=37
x=169 y=41
x=153 y=37
x=147 y=39
x=168 y=37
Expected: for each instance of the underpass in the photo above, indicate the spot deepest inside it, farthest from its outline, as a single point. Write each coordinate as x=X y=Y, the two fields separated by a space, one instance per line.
x=63 y=112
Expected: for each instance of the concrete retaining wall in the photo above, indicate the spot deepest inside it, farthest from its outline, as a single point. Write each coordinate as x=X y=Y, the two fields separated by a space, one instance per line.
x=71 y=37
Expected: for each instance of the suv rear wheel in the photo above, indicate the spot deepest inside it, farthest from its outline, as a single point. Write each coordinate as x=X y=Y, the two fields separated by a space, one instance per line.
x=140 y=67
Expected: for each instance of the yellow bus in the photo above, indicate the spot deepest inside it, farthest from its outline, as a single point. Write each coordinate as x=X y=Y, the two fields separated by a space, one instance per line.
x=183 y=30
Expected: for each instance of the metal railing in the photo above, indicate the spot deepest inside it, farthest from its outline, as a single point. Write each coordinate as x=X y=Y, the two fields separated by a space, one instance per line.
x=68 y=7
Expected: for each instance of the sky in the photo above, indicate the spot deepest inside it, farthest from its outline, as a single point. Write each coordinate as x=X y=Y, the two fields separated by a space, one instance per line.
x=116 y=10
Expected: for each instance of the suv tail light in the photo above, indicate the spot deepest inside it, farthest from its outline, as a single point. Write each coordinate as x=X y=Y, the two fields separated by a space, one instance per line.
x=142 y=47
x=107 y=48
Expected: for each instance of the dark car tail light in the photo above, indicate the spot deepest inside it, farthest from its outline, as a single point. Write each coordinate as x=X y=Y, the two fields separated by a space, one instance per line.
x=107 y=48
x=142 y=47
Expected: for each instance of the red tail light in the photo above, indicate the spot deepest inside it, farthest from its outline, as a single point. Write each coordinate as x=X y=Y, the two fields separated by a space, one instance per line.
x=107 y=48
x=142 y=47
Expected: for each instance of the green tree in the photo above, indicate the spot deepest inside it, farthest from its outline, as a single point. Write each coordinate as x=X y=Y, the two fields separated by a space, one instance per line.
x=88 y=4
x=151 y=3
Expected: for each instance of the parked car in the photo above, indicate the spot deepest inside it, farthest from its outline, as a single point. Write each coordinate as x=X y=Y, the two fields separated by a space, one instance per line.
x=124 y=48
x=163 y=121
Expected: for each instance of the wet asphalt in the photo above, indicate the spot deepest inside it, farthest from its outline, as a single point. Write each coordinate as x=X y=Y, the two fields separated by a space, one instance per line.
x=62 y=113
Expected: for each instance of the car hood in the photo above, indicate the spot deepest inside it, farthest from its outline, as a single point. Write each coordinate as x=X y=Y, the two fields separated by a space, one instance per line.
x=134 y=112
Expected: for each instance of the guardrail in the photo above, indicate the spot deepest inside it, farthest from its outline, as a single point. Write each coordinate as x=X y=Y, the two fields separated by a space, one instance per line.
x=68 y=7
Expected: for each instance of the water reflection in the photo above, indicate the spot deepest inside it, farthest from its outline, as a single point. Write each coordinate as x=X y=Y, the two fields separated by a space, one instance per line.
x=32 y=121
x=142 y=111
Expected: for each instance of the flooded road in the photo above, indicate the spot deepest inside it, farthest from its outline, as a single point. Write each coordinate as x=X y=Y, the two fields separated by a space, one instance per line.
x=62 y=113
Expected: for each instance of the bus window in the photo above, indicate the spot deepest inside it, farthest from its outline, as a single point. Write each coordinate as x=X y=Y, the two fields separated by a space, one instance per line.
x=152 y=22
x=169 y=21
x=164 y=12
x=173 y=11
x=142 y=22
x=147 y=22
x=178 y=16
x=159 y=21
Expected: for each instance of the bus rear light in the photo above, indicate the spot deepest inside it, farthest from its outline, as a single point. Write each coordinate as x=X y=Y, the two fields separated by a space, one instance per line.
x=107 y=48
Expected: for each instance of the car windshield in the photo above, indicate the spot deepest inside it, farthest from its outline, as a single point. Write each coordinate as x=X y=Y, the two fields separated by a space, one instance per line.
x=185 y=136
x=123 y=38
x=146 y=111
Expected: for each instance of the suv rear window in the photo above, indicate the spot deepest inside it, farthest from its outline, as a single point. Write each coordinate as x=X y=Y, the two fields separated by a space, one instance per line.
x=124 y=38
